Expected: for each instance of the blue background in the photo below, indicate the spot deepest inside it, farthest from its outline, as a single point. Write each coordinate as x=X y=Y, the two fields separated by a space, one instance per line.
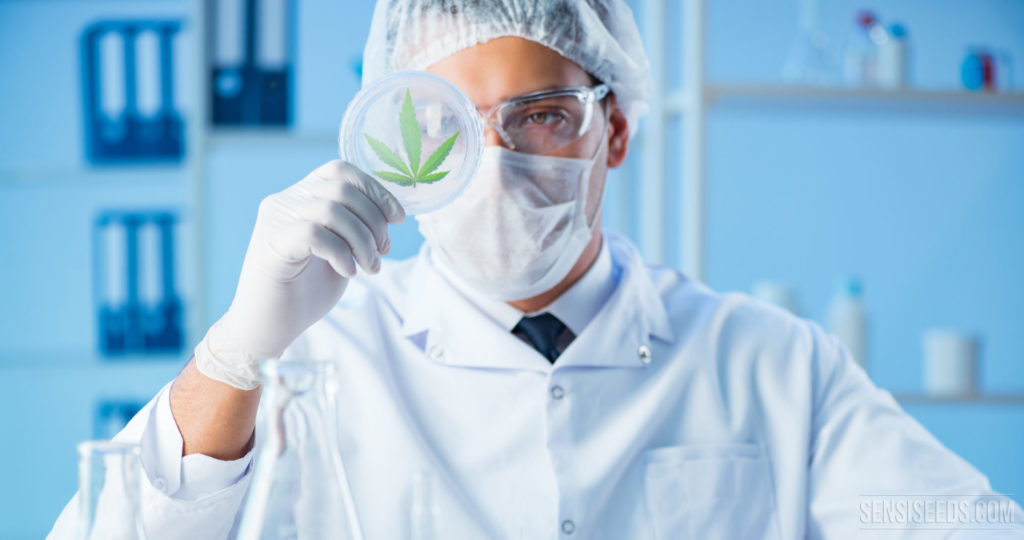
x=927 y=206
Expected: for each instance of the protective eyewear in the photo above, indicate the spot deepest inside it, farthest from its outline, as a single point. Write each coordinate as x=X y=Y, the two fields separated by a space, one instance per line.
x=546 y=121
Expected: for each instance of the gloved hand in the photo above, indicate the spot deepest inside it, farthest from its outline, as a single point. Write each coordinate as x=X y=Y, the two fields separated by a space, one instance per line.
x=297 y=265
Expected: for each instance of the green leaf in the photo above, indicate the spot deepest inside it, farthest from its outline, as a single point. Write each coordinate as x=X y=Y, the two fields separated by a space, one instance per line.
x=387 y=155
x=431 y=178
x=399 y=179
x=410 y=133
x=437 y=158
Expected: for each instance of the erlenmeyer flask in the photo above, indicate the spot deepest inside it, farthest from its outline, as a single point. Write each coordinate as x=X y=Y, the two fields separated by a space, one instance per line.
x=299 y=489
x=108 y=491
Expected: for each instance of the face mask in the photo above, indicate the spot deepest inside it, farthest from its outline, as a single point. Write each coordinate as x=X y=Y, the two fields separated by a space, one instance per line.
x=519 y=227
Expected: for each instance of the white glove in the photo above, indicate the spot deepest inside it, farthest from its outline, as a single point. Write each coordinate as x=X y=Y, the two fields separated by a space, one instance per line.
x=297 y=266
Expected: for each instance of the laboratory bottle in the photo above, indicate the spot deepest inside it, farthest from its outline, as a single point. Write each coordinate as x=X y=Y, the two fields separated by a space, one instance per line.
x=299 y=488
x=810 y=60
x=108 y=491
x=892 y=59
x=860 y=67
x=847 y=318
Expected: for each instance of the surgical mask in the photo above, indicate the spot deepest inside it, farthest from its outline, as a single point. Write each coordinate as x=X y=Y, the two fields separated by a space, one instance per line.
x=520 y=225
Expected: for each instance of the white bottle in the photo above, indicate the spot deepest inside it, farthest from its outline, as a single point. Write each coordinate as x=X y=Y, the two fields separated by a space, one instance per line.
x=860 y=67
x=892 y=59
x=847 y=319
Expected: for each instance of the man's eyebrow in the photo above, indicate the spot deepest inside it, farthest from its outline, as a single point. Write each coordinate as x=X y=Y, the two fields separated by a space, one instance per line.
x=485 y=108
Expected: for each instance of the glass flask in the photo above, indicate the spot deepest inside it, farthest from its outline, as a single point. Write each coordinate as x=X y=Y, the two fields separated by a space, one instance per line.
x=810 y=60
x=108 y=491
x=299 y=489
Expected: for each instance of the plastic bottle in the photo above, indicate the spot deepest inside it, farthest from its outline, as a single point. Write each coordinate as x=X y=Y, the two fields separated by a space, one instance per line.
x=971 y=72
x=892 y=59
x=860 y=68
x=847 y=318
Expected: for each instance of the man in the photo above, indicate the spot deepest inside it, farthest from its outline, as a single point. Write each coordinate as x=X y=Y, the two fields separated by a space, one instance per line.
x=552 y=384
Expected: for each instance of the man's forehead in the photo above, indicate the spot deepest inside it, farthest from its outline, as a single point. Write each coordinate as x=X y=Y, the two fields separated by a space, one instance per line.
x=508 y=67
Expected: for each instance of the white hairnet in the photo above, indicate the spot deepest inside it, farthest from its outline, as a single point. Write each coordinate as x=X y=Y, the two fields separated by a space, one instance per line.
x=599 y=35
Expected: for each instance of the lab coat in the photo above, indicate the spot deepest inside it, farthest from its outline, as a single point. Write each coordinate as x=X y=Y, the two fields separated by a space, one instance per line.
x=677 y=413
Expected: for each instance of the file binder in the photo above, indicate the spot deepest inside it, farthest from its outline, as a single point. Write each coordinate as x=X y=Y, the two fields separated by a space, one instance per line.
x=251 y=67
x=128 y=91
x=138 y=308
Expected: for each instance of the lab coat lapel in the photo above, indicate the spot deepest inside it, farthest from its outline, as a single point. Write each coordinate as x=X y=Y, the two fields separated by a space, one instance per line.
x=453 y=332
x=621 y=333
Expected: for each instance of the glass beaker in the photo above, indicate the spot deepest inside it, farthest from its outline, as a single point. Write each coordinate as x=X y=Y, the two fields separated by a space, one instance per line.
x=108 y=491
x=299 y=488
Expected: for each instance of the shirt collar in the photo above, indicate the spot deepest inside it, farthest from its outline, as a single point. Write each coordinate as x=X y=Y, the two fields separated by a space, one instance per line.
x=449 y=328
x=576 y=307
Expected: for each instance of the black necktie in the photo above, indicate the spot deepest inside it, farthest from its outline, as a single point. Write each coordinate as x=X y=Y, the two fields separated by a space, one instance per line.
x=542 y=332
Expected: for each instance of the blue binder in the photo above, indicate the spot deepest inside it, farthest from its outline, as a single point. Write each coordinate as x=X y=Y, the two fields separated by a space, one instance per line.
x=138 y=307
x=112 y=415
x=128 y=92
x=251 y=64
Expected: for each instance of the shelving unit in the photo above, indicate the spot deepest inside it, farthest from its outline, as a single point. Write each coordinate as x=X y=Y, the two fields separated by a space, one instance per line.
x=698 y=97
x=980 y=399
x=933 y=101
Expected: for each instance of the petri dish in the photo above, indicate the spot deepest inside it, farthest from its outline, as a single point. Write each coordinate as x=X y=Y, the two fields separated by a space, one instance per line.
x=417 y=134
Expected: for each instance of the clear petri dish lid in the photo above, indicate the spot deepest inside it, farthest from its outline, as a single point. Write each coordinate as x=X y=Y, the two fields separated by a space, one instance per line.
x=417 y=134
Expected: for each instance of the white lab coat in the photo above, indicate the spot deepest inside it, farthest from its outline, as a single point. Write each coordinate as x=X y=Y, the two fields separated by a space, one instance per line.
x=679 y=413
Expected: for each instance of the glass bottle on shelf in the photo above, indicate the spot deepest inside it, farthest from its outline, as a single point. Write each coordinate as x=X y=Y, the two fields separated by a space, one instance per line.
x=108 y=491
x=810 y=60
x=299 y=487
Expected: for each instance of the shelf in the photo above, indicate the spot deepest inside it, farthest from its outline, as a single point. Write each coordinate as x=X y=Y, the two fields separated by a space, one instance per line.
x=232 y=135
x=826 y=98
x=993 y=399
x=88 y=360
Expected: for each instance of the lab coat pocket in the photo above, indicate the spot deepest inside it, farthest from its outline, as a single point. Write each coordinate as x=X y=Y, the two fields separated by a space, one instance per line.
x=710 y=491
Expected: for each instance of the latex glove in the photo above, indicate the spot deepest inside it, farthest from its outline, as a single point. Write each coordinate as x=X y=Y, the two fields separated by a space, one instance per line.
x=297 y=265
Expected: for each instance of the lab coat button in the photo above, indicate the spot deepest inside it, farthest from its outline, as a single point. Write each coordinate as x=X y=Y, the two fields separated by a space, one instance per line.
x=436 y=353
x=644 y=352
x=557 y=392
x=160 y=484
x=568 y=526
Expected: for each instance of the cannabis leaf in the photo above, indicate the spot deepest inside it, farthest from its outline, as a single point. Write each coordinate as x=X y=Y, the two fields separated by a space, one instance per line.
x=412 y=173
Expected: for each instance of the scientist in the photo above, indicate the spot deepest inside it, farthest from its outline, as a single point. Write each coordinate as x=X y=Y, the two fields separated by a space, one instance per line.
x=555 y=385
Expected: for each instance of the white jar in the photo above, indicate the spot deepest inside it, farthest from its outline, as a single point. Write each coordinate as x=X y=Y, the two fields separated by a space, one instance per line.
x=950 y=363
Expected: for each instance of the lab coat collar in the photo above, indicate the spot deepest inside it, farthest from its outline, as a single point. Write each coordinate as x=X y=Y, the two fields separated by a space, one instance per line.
x=459 y=334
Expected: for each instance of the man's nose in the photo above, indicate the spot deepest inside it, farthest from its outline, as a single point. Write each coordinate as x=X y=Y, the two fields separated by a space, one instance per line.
x=492 y=138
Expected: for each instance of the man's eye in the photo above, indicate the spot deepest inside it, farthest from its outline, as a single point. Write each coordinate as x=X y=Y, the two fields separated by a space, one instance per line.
x=542 y=118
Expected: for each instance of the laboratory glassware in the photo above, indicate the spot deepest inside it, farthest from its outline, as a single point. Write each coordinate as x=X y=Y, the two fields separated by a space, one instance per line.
x=299 y=488
x=108 y=491
x=860 y=67
x=811 y=60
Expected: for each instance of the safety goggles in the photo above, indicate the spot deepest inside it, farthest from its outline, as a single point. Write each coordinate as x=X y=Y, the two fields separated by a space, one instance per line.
x=546 y=121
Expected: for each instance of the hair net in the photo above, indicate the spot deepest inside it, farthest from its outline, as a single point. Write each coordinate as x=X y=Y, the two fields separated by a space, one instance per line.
x=599 y=35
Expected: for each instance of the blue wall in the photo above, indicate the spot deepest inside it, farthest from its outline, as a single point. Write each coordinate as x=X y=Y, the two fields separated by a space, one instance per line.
x=925 y=206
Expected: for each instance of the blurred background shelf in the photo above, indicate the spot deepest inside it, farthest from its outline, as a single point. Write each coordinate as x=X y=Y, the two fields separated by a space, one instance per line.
x=220 y=136
x=990 y=399
x=930 y=101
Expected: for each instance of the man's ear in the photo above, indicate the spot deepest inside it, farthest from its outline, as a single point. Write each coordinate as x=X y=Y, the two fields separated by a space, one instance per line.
x=618 y=134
